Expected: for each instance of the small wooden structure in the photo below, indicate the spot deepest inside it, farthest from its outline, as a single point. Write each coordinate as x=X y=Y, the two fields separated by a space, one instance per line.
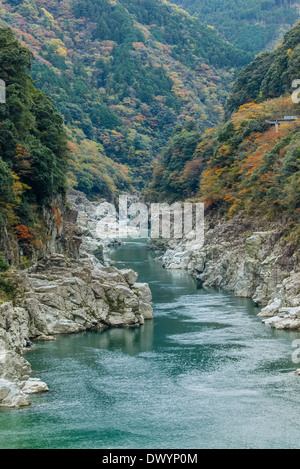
x=286 y=117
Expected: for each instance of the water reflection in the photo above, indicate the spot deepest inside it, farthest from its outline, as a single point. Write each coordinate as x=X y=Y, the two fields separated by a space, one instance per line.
x=131 y=341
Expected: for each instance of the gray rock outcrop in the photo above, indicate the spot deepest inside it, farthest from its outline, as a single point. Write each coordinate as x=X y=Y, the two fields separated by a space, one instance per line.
x=64 y=293
x=248 y=260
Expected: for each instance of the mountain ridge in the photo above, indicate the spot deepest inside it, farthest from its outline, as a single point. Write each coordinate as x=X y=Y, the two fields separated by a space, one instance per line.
x=252 y=25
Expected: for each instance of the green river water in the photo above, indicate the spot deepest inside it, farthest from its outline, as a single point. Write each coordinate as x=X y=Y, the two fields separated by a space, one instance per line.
x=205 y=373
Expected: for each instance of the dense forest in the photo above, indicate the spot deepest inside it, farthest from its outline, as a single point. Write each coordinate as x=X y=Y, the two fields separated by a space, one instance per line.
x=252 y=25
x=243 y=165
x=33 y=146
x=123 y=74
x=270 y=75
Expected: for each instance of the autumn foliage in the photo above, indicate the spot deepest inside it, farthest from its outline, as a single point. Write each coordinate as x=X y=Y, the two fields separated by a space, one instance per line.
x=33 y=148
x=243 y=165
x=23 y=234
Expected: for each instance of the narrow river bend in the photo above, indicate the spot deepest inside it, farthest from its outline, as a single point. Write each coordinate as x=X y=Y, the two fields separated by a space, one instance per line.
x=206 y=373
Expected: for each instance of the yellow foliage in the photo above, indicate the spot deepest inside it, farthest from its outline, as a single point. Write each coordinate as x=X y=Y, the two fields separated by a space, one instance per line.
x=59 y=47
x=209 y=130
x=18 y=187
x=47 y=14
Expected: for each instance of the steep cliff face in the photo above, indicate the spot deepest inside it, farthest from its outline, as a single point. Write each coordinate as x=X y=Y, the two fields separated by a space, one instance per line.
x=8 y=245
x=15 y=381
x=58 y=234
x=245 y=258
x=34 y=157
x=67 y=290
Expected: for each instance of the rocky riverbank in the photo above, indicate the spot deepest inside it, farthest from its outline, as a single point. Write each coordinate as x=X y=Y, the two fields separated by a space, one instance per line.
x=65 y=293
x=245 y=258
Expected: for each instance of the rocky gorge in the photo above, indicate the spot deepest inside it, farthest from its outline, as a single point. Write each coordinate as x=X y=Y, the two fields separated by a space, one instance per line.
x=70 y=289
x=73 y=287
x=245 y=258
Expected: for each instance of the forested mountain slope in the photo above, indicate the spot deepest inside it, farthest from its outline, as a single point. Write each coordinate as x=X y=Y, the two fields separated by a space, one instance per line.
x=243 y=166
x=123 y=74
x=270 y=75
x=252 y=25
x=33 y=145
x=33 y=151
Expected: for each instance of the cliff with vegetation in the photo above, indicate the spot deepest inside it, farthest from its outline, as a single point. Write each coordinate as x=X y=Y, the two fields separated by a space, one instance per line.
x=33 y=159
x=242 y=166
x=247 y=174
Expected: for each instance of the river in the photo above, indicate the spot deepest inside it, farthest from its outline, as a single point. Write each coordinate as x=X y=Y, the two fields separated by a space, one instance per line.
x=205 y=373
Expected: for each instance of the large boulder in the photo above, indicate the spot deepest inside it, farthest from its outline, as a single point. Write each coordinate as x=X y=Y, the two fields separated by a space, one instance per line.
x=11 y=395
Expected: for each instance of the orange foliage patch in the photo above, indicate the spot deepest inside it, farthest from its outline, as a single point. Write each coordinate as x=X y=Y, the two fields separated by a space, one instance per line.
x=58 y=217
x=23 y=234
